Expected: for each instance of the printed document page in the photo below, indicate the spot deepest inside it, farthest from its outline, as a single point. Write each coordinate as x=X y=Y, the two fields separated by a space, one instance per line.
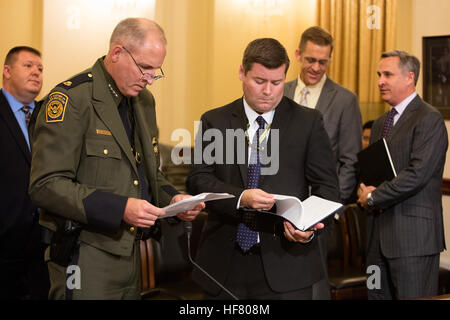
x=304 y=215
x=190 y=203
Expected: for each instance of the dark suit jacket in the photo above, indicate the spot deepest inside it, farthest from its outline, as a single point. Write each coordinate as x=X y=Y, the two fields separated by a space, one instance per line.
x=411 y=223
x=304 y=160
x=342 y=121
x=19 y=230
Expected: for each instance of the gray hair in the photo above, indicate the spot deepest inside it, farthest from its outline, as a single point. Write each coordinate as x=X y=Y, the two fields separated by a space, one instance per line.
x=406 y=62
x=133 y=32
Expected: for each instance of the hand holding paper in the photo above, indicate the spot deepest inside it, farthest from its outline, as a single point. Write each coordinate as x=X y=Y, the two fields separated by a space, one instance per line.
x=296 y=235
x=306 y=214
x=190 y=214
x=190 y=202
x=140 y=213
x=257 y=199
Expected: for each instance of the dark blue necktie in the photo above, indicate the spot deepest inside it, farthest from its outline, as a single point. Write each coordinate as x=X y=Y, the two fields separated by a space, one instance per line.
x=246 y=237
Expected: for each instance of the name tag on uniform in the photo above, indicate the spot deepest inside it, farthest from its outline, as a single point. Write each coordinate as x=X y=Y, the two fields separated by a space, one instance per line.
x=103 y=132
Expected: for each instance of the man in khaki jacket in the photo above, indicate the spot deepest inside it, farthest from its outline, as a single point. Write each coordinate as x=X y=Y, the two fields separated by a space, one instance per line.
x=95 y=168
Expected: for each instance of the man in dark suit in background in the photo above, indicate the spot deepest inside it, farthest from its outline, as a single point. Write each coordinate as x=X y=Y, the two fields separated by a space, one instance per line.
x=257 y=255
x=341 y=117
x=23 y=272
x=405 y=228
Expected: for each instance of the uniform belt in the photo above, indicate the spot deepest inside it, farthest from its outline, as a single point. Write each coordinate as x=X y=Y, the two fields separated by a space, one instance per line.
x=144 y=234
x=139 y=234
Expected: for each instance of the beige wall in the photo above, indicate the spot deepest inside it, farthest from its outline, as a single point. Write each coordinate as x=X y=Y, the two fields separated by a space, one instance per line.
x=76 y=32
x=431 y=18
x=184 y=90
x=236 y=24
x=206 y=42
x=404 y=18
x=21 y=24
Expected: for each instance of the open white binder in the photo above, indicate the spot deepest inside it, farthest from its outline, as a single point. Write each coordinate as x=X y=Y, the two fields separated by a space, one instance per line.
x=305 y=214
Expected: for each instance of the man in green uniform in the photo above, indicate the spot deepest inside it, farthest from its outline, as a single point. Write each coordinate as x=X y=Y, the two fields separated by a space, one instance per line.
x=95 y=168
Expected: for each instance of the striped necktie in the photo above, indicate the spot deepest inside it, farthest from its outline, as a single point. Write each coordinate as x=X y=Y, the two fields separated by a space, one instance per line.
x=303 y=99
x=26 y=110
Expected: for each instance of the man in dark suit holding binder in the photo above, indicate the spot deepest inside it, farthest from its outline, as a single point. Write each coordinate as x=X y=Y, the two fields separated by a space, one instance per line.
x=405 y=224
x=257 y=255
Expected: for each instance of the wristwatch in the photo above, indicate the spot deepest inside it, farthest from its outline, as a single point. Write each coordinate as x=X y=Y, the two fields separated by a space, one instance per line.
x=370 y=199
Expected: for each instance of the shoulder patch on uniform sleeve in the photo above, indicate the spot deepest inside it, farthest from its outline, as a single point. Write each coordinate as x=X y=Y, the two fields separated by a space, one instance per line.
x=76 y=80
x=56 y=107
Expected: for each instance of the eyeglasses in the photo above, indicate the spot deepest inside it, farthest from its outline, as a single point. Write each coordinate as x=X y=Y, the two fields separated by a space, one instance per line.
x=159 y=73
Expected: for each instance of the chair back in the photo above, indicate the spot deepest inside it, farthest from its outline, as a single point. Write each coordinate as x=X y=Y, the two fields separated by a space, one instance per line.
x=339 y=246
x=357 y=233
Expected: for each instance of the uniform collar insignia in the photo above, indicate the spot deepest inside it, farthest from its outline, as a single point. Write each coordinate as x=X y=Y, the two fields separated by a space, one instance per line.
x=112 y=90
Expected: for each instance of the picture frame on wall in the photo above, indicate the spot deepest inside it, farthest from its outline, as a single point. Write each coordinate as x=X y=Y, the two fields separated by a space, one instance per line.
x=436 y=73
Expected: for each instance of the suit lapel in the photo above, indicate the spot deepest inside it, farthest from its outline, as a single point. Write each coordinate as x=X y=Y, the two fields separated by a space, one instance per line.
x=107 y=111
x=377 y=130
x=239 y=121
x=290 y=89
x=406 y=115
x=326 y=96
x=11 y=123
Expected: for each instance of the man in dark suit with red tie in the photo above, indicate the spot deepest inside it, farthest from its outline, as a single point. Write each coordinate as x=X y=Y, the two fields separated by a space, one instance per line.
x=404 y=222
x=285 y=149
x=23 y=273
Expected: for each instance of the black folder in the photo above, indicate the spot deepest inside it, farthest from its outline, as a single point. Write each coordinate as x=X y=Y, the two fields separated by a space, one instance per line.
x=375 y=164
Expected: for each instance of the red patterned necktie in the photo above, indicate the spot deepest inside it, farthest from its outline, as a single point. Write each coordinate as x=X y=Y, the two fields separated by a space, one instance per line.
x=389 y=123
x=246 y=237
x=26 y=110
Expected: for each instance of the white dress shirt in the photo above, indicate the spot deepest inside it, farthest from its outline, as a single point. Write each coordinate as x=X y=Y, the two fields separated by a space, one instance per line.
x=314 y=91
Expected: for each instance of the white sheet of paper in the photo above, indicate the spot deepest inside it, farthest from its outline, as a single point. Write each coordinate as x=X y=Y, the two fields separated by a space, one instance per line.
x=306 y=214
x=190 y=203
